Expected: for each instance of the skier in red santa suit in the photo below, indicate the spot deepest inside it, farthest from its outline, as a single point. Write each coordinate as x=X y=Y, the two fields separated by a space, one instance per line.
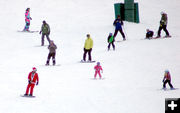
x=32 y=79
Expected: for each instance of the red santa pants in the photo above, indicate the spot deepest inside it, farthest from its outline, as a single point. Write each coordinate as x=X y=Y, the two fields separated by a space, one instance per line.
x=31 y=87
x=97 y=72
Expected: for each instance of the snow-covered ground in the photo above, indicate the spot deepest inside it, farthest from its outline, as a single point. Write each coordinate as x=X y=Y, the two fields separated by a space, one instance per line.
x=133 y=73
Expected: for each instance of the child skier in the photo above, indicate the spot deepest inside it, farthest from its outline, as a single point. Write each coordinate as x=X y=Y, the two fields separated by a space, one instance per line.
x=111 y=41
x=52 y=53
x=149 y=34
x=27 y=19
x=167 y=79
x=97 y=69
x=32 y=80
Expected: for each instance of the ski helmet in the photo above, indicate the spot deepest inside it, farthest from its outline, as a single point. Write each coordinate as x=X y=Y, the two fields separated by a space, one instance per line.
x=110 y=34
x=98 y=63
x=166 y=70
x=34 y=69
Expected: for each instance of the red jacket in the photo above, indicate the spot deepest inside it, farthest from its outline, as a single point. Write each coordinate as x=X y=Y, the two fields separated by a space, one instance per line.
x=33 y=77
x=98 y=68
x=167 y=76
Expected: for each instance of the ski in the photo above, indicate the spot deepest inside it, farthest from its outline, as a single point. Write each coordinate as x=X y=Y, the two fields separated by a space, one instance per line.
x=53 y=65
x=27 y=96
x=168 y=89
x=28 y=31
x=87 y=61
x=158 y=38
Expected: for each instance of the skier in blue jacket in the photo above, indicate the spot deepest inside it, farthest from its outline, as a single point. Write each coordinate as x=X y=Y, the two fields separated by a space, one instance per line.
x=118 y=27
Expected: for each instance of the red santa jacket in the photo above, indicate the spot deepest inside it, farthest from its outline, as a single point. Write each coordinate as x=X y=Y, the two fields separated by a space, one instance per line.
x=33 y=77
x=167 y=76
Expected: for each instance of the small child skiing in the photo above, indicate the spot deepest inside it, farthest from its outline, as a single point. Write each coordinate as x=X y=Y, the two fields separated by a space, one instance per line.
x=149 y=34
x=111 y=41
x=167 y=79
x=33 y=80
x=52 y=53
x=97 y=69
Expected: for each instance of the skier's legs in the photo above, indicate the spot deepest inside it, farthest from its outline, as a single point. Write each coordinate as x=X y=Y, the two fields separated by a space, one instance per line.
x=47 y=36
x=89 y=54
x=48 y=58
x=164 y=84
x=42 y=40
x=27 y=89
x=109 y=45
x=99 y=74
x=113 y=45
x=53 y=58
x=115 y=33
x=122 y=33
x=84 y=55
x=26 y=28
x=31 y=90
x=95 y=74
x=166 y=31
x=159 y=31
x=169 y=82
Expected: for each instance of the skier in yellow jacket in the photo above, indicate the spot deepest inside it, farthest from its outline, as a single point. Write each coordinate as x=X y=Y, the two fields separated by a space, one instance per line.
x=88 y=47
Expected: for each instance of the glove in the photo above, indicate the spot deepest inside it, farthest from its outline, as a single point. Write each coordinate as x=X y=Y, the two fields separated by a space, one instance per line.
x=37 y=83
x=49 y=33
x=30 y=18
x=163 y=80
x=40 y=32
x=29 y=82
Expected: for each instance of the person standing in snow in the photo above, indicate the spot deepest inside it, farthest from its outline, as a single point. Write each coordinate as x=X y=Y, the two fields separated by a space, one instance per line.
x=52 y=53
x=88 y=47
x=32 y=80
x=167 y=79
x=163 y=25
x=45 y=30
x=149 y=34
x=118 y=23
x=111 y=41
x=27 y=20
x=97 y=69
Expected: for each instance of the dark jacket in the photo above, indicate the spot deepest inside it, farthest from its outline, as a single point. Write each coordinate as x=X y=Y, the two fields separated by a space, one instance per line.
x=45 y=29
x=118 y=24
x=149 y=34
x=52 y=48
x=164 y=19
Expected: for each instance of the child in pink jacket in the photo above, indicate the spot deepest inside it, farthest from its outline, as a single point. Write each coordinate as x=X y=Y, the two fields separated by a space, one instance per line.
x=97 y=69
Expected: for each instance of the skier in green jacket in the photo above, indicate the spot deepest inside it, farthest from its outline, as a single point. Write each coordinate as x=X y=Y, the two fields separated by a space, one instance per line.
x=45 y=30
x=110 y=41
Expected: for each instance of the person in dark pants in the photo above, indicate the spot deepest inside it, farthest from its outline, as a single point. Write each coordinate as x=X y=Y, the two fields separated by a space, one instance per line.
x=167 y=79
x=163 y=25
x=149 y=34
x=118 y=27
x=45 y=30
x=111 y=41
x=88 y=47
x=52 y=53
